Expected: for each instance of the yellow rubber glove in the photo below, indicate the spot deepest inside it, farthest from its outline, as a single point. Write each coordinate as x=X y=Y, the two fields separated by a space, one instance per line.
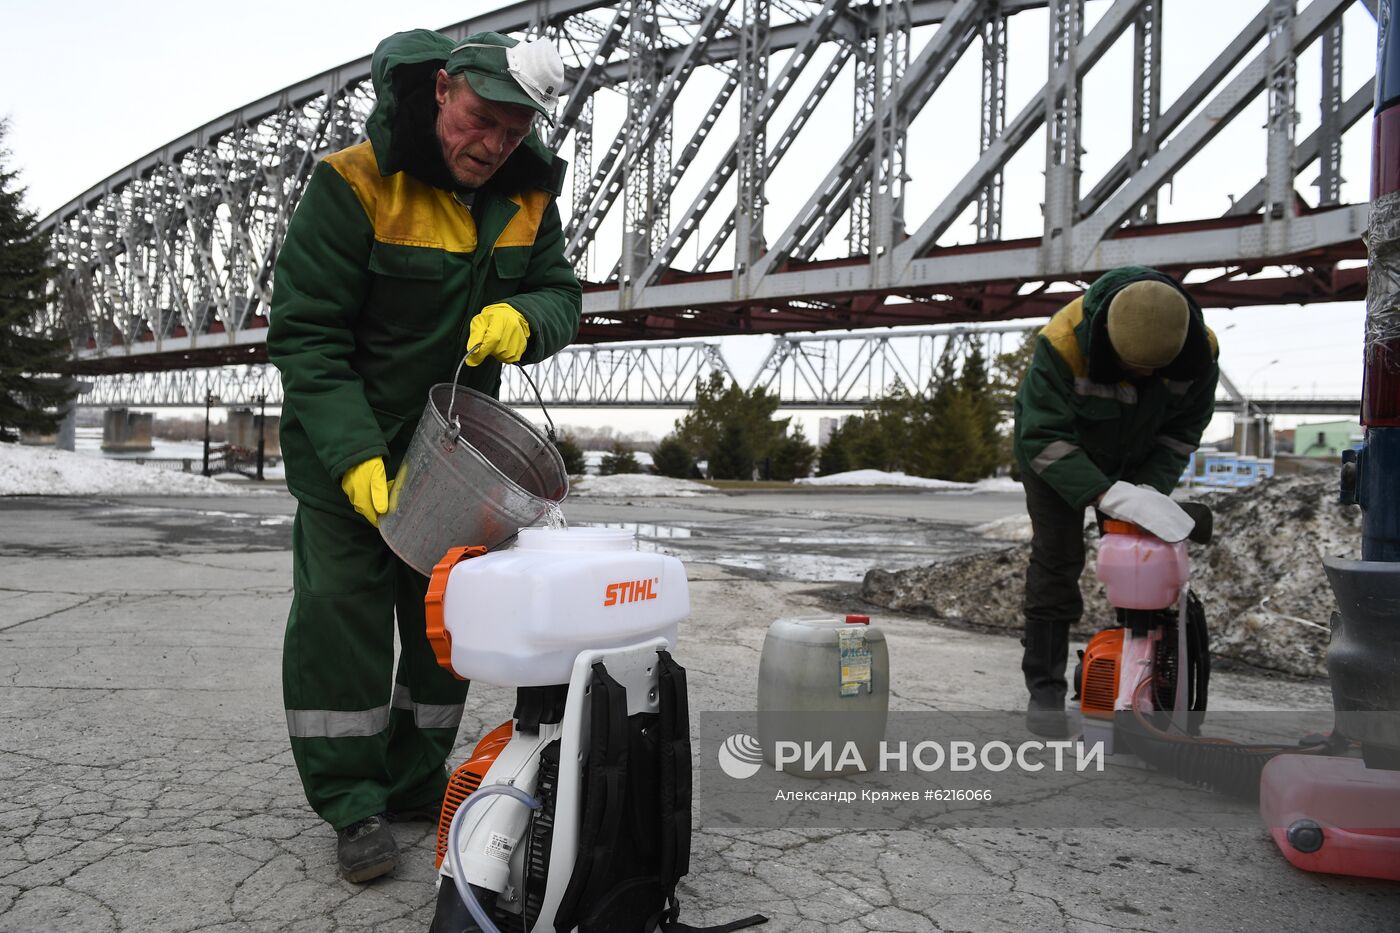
x=499 y=331
x=367 y=487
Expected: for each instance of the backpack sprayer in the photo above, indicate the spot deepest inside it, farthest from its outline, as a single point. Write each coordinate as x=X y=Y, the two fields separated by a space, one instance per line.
x=1142 y=688
x=1156 y=659
x=1143 y=685
x=596 y=759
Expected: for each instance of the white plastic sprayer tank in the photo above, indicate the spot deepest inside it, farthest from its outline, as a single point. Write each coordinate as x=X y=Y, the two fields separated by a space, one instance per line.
x=823 y=682
x=519 y=617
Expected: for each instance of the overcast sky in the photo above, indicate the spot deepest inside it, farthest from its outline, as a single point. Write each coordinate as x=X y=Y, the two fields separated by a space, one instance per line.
x=89 y=87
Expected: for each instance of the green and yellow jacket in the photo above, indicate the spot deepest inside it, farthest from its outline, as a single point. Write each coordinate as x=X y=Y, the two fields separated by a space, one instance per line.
x=384 y=265
x=1083 y=423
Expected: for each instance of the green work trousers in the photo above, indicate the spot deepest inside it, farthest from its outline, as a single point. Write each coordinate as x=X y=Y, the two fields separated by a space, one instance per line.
x=1053 y=602
x=361 y=743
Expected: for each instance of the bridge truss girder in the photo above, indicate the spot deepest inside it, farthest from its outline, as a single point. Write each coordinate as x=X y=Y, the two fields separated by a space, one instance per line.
x=824 y=371
x=168 y=264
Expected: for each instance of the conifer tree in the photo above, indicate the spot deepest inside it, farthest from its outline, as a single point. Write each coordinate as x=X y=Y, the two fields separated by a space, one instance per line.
x=975 y=383
x=731 y=422
x=939 y=451
x=794 y=457
x=31 y=358
x=731 y=457
x=673 y=458
x=835 y=453
x=619 y=460
x=572 y=454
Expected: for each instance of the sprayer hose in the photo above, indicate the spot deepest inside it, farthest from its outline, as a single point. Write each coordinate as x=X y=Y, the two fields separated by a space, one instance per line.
x=454 y=831
x=1219 y=765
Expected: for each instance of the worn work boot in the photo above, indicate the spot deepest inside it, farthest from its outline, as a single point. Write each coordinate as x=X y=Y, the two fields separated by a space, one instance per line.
x=365 y=850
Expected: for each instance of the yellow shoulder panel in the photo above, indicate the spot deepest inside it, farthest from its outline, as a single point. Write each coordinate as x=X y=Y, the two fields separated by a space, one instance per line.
x=402 y=209
x=1060 y=333
x=525 y=224
x=1214 y=344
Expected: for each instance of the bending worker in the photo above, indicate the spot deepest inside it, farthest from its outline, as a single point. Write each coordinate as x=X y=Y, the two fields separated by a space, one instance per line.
x=438 y=234
x=1118 y=393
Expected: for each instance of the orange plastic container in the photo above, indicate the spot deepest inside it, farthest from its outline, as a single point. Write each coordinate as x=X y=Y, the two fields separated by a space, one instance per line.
x=1333 y=815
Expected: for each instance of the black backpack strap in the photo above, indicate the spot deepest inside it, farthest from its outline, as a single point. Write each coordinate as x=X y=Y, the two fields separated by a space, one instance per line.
x=675 y=795
x=674 y=724
x=605 y=784
x=1198 y=642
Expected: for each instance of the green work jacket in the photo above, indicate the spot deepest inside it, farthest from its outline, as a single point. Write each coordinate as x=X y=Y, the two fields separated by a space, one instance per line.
x=1083 y=423
x=381 y=273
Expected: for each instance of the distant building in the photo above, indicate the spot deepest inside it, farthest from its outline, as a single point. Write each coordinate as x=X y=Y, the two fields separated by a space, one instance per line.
x=1325 y=438
x=824 y=428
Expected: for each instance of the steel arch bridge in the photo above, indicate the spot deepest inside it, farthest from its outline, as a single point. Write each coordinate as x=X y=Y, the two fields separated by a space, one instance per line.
x=833 y=370
x=749 y=166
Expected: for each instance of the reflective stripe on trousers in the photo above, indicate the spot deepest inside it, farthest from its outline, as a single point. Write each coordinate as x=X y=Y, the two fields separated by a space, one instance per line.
x=428 y=715
x=344 y=724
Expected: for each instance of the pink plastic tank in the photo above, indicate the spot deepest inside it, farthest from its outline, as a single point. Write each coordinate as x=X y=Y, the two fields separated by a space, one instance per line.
x=1333 y=815
x=1138 y=570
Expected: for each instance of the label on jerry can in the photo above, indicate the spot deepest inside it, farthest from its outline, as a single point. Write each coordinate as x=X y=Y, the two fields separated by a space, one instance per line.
x=855 y=660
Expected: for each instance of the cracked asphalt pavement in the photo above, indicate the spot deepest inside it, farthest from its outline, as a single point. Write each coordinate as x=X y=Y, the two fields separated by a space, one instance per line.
x=146 y=784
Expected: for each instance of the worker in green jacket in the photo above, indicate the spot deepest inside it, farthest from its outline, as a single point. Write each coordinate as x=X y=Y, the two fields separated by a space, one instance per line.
x=438 y=234
x=1118 y=393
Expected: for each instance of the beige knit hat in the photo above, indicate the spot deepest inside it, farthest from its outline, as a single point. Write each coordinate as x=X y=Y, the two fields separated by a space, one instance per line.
x=1147 y=323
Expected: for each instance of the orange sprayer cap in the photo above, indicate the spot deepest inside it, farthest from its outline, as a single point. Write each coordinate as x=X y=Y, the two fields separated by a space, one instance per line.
x=1112 y=526
x=438 y=635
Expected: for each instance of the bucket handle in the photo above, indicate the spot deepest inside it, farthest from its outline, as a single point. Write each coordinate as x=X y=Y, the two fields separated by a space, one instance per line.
x=455 y=430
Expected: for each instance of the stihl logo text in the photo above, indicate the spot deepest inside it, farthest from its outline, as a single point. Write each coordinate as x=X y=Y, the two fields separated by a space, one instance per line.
x=630 y=591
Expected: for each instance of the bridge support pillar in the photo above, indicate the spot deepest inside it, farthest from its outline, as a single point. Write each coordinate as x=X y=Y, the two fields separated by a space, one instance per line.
x=1254 y=435
x=68 y=426
x=242 y=428
x=124 y=430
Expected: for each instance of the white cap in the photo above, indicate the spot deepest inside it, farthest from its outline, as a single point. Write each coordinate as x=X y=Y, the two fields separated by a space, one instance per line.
x=538 y=69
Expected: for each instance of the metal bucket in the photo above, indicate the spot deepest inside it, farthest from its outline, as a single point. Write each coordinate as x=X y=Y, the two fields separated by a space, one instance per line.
x=475 y=473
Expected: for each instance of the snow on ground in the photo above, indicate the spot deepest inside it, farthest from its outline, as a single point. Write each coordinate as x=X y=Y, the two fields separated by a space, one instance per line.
x=1010 y=528
x=884 y=478
x=46 y=471
x=636 y=484
x=881 y=478
x=997 y=484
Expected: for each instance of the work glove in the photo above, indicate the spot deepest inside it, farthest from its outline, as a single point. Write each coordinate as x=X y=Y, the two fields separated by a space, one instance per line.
x=499 y=331
x=367 y=487
x=1148 y=509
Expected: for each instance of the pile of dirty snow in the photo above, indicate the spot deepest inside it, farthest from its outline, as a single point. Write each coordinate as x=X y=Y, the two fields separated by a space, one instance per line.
x=1266 y=596
x=623 y=485
x=47 y=471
